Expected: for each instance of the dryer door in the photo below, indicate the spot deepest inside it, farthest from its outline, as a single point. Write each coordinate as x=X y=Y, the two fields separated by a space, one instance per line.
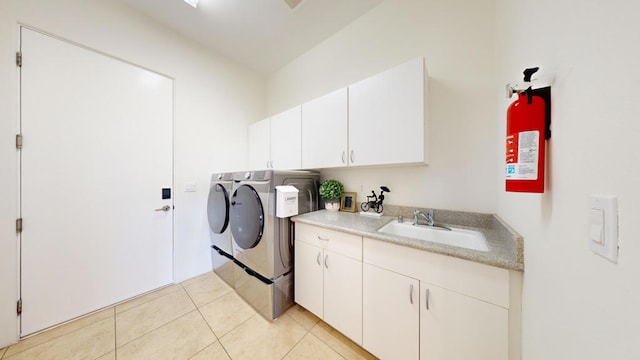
x=218 y=208
x=247 y=217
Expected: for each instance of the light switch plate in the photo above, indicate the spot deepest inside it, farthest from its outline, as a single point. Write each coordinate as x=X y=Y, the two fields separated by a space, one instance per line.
x=603 y=226
x=190 y=186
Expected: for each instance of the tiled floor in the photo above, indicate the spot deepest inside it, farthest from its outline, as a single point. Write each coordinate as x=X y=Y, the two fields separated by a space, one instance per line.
x=201 y=318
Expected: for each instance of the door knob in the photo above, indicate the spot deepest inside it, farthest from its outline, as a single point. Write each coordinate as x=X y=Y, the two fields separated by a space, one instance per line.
x=164 y=208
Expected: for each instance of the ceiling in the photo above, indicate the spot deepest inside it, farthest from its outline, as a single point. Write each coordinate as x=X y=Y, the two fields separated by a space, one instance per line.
x=261 y=34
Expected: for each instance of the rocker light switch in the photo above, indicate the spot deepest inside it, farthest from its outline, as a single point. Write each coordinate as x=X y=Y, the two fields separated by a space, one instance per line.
x=596 y=224
x=603 y=226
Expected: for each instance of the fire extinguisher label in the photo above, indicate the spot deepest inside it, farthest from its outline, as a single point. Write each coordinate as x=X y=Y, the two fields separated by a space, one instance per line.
x=522 y=156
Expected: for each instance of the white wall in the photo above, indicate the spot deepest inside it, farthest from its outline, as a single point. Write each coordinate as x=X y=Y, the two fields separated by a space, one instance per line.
x=578 y=305
x=215 y=99
x=457 y=39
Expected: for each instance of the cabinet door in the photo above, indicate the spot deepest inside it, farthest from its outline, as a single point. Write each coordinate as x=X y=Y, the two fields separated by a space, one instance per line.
x=260 y=145
x=324 y=131
x=387 y=117
x=308 y=277
x=286 y=139
x=343 y=294
x=390 y=314
x=458 y=327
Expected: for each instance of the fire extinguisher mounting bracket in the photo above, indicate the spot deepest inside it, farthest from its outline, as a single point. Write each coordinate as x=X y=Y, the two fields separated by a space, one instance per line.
x=544 y=93
x=529 y=72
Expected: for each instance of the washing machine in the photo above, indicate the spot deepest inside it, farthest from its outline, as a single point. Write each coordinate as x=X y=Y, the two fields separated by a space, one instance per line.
x=218 y=203
x=262 y=242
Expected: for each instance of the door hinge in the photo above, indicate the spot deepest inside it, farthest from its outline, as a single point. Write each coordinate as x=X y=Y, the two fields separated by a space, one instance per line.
x=19 y=58
x=19 y=141
x=19 y=307
x=19 y=225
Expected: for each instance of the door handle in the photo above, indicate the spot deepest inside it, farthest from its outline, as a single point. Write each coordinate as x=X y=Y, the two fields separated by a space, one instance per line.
x=426 y=295
x=164 y=208
x=411 y=294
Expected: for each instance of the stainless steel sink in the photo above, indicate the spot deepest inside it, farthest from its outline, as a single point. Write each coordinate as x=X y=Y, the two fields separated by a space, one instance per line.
x=468 y=239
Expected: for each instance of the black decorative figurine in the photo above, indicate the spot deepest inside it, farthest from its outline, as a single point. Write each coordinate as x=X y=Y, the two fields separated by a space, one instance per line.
x=375 y=202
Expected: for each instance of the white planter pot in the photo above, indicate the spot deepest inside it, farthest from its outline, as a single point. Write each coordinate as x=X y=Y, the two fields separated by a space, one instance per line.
x=332 y=204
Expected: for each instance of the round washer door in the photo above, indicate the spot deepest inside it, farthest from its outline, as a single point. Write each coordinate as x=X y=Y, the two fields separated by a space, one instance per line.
x=247 y=217
x=218 y=209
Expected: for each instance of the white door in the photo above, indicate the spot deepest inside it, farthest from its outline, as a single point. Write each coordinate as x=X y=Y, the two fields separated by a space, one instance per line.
x=260 y=145
x=390 y=314
x=458 y=327
x=324 y=131
x=343 y=294
x=286 y=143
x=308 y=283
x=387 y=117
x=97 y=153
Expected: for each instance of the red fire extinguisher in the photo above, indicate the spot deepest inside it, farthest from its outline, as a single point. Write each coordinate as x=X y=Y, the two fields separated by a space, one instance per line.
x=525 y=141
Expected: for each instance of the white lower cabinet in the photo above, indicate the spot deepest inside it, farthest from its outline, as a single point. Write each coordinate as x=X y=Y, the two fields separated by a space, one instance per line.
x=461 y=309
x=390 y=314
x=308 y=277
x=328 y=277
x=457 y=327
x=343 y=294
x=402 y=303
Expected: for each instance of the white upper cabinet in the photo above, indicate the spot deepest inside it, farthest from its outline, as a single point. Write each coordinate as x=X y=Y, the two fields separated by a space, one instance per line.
x=275 y=143
x=286 y=139
x=377 y=121
x=260 y=145
x=324 y=131
x=387 y=117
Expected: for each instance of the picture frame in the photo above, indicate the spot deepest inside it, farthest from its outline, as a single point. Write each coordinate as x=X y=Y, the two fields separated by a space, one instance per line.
x=348 y=202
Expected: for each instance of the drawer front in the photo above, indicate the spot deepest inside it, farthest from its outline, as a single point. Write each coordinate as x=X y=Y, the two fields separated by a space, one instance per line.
x=335 y=241
x=484 y=282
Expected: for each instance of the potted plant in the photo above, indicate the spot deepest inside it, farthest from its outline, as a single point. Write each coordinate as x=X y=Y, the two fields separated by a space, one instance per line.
x=331 y=192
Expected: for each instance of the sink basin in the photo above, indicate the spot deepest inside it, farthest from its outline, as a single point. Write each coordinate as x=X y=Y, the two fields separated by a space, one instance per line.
x=463 y=238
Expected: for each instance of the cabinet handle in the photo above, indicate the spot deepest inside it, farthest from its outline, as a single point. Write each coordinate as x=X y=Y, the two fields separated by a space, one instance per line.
x=326 y=257
x=271 y=164
x=318 y=259
x=411 y=294
x=343 y=155
x=323 y=239
x=351 y=157
x=426 y=296
x=267 y=164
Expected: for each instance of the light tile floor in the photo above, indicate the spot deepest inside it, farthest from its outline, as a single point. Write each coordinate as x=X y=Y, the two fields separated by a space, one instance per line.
x=199 y=319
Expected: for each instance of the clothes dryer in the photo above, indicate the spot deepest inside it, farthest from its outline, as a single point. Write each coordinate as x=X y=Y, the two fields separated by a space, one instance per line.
x=218 y=203
x=262 y=242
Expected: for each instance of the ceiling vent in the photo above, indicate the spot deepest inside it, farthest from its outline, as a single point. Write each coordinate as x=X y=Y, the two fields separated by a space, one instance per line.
x=293 y=3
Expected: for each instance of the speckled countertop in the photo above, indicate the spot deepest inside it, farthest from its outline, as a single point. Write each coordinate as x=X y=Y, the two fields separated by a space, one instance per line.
x=505 y=245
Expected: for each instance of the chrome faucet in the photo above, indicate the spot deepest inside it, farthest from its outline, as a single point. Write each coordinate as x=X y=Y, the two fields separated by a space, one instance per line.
x=428 y=217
